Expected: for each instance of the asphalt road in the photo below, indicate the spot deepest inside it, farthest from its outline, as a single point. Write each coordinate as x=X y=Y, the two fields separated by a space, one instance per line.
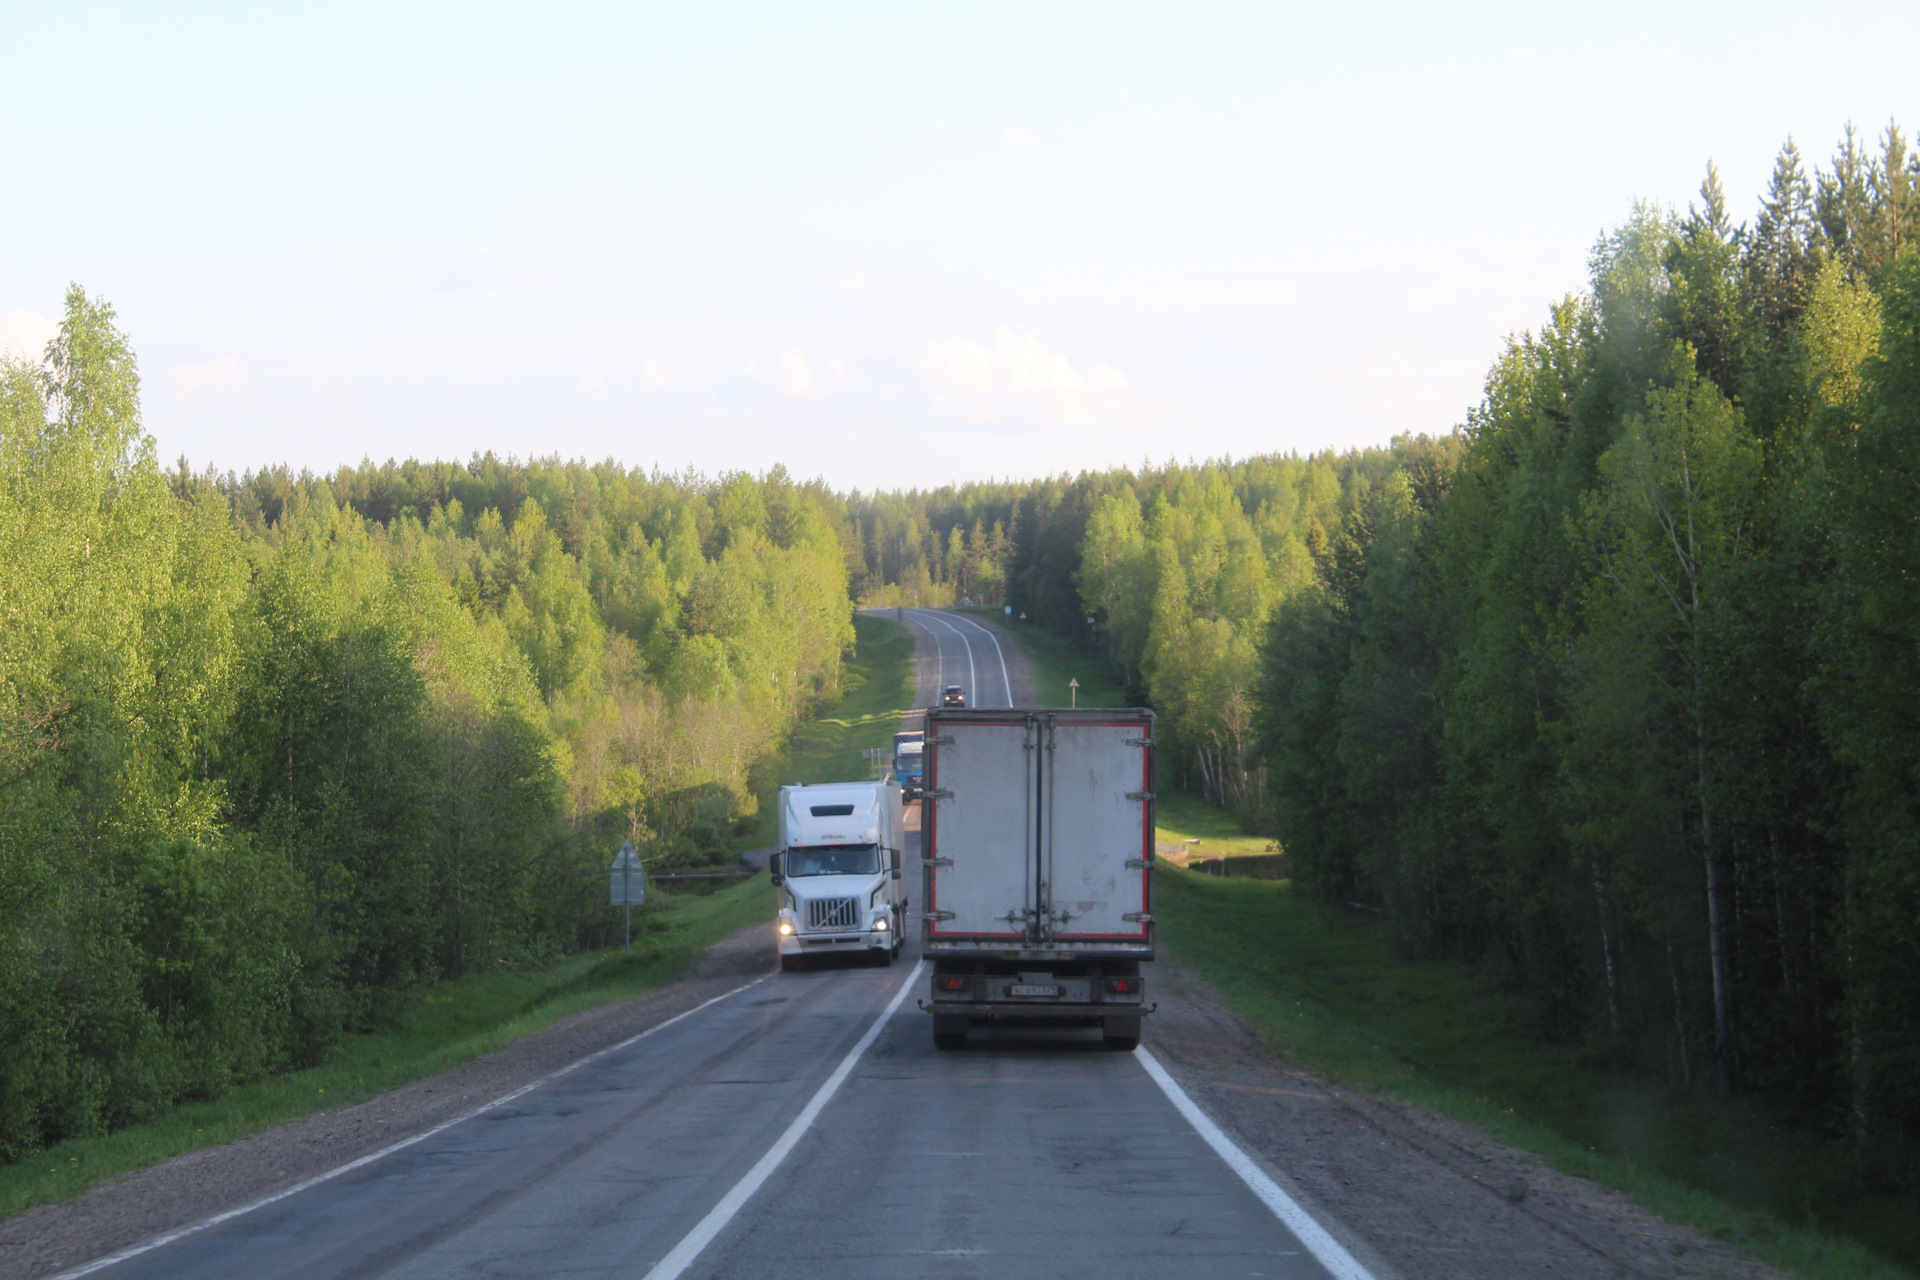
x=802 y=1126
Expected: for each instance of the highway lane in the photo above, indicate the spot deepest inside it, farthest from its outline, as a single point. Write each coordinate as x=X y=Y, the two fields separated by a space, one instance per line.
x=598 y=1173
x=964 y=653
x=1025 y=1155
x=1030 y=1153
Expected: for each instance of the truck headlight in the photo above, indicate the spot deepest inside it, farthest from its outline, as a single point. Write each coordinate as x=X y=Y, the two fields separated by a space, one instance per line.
x=880 y=924
x=786 y=926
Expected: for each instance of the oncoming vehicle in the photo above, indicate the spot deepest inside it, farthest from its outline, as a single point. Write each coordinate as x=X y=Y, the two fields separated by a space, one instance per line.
x=838 y=872
x=953 y=696
x=908 y=751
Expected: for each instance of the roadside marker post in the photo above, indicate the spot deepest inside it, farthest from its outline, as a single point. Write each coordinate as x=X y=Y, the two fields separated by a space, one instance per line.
x=1073 y=693
x=627 y=885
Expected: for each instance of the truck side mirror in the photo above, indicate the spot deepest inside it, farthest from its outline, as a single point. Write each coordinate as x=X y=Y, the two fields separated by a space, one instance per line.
x=773 y=868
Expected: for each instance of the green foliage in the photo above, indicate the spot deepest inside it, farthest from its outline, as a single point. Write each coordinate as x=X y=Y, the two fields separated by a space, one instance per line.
x=436 y=1026
x=276 y=750
x=1624 y=706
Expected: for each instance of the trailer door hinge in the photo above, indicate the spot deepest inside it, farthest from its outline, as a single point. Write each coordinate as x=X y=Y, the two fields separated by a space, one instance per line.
x=939 y=862
x=944 y=740
x=1139 y=742
x=939 y=915
x=1138 y=917
x=939 y=793
x=1139 y=795
x=1138 y=864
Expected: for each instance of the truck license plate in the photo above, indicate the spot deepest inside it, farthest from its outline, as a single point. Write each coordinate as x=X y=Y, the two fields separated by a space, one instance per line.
x=1032 y=989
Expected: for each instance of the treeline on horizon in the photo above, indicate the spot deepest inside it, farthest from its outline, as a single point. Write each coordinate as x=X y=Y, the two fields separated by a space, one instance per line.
x=275 y=749
x=1612 y=689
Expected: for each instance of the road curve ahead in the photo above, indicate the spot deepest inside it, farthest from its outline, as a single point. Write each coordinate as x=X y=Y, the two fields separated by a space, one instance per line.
x=953 y=648
x=801 y=1126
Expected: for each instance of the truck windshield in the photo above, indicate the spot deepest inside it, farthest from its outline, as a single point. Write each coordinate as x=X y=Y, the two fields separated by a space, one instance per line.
x=832 y=860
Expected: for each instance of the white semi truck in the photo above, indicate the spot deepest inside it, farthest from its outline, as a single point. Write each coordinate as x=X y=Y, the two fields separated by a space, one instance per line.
x=838 y=872
x=1037 y=846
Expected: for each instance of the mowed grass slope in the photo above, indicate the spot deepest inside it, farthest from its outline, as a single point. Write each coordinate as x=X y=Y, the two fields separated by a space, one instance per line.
x=878 y=688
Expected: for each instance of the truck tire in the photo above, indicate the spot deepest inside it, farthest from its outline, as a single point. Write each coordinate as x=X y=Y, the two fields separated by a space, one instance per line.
x=949 y=1033
x=1121 y=1034
x=792 y=964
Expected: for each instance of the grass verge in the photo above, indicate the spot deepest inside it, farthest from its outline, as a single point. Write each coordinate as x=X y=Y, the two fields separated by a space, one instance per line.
x=1180 y=817
x=442 y=1026
x=878 y=688
x=1328 y=988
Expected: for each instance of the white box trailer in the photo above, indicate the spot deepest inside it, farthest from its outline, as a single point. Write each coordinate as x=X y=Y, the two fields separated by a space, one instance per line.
x=1037 y=848
x=838 y=871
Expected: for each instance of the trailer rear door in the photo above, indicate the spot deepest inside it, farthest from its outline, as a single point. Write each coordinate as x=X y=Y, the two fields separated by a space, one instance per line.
x=979 y=828
x=1038 y=828
x=1097 y=807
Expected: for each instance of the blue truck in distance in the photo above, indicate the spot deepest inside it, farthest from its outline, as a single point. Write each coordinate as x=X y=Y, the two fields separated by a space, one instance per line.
x=907 y=748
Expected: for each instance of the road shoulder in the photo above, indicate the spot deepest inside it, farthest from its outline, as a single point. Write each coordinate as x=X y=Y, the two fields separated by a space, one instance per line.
x=1415 y=1192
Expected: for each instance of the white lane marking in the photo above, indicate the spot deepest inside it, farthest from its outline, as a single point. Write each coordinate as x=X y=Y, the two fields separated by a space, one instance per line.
x=684 y=1253
x=973 y=680
x=1330 y=1253
x=228 y=1215
x=940 y=651
x=1008 y=684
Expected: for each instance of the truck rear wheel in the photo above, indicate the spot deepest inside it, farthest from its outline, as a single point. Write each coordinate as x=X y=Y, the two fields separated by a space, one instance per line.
x=949 y=1033
x=1121 y=1034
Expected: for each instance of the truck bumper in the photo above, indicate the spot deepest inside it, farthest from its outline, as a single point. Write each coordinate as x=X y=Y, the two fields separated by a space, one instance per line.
x=1035 y=1010
x=829 y=944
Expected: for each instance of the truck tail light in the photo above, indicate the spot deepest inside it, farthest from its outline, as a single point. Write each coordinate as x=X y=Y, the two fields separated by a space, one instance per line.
x=949 y=982
x=1123 y=986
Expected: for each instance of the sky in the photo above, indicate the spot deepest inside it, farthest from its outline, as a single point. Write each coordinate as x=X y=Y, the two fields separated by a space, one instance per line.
x=893 y=245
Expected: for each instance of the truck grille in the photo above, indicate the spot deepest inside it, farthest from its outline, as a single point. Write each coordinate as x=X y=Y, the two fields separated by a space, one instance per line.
x=833 y=913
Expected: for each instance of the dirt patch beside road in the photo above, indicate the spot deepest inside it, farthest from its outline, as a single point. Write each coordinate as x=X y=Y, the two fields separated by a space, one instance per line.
x=50 y=1238
x=1413 y=1193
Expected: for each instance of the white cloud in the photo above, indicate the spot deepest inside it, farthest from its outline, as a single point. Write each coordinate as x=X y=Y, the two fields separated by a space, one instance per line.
x=206 y=386
x=1018 y=378
x=593 y=384
x=791 y=374
x=655 y=374
x=24 y=335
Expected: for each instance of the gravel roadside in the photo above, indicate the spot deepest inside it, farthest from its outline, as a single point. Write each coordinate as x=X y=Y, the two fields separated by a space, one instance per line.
x=1413 y=1193
x=50 y=1238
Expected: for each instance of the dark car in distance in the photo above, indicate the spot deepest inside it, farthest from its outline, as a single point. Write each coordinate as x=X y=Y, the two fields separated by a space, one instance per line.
x=953 y=696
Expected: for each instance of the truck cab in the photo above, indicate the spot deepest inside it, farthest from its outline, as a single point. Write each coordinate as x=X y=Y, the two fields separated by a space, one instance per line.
x=838 y=872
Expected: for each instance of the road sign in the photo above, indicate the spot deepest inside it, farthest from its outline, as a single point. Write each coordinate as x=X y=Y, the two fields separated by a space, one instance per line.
x=1008 y=610
x=627 y=884
x=1073 y=692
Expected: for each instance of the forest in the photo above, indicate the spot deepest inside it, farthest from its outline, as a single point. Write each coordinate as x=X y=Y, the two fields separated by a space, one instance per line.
x=1612 y=688
x=274 y=749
